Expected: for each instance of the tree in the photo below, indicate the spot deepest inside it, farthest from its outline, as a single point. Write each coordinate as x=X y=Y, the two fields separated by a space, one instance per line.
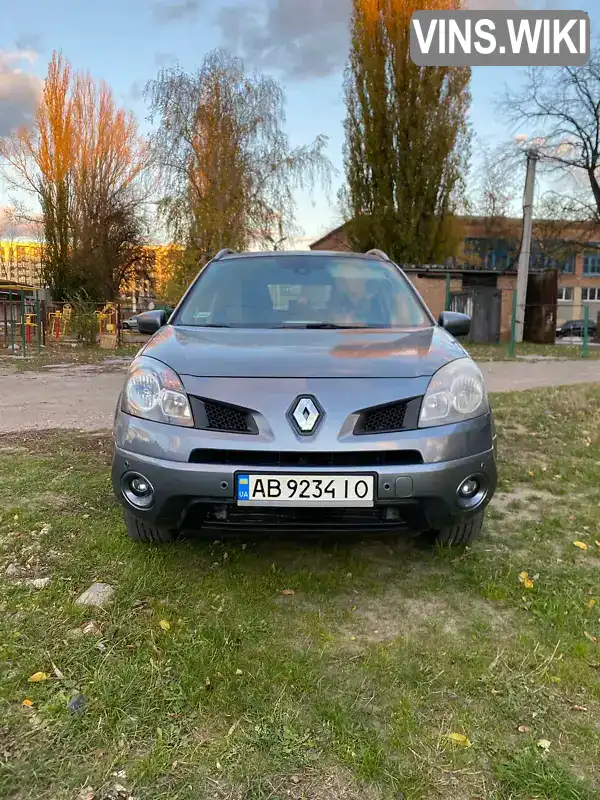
x=41 y=162
x=494 y=200
x=83 y=162
x=562 y=108
x=228 y=171
x=407 y=140
x=110 y=192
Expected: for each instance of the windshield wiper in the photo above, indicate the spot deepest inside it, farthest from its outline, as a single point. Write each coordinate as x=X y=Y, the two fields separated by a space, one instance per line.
x=328 y=326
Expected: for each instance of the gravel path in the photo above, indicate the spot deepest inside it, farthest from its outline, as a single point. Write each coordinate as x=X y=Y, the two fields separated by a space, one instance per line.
x=84 y=397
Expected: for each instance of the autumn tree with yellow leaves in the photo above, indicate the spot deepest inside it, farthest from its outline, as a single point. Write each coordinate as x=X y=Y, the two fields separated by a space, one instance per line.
x=84 y=161
x=407 y=139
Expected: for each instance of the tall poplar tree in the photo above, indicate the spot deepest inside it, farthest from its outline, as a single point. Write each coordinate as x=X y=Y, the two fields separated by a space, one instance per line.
x=407 y=138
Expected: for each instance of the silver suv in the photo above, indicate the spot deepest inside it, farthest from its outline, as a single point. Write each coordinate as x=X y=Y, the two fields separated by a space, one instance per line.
x=303 y=391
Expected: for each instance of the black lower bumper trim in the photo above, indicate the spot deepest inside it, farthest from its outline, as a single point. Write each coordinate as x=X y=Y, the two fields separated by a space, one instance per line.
x=230 y=517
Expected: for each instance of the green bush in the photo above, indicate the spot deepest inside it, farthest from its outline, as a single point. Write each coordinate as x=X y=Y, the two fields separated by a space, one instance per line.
x=84 y=322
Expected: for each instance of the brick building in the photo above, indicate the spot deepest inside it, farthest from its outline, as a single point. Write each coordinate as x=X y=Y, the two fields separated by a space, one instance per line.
x=490 y=252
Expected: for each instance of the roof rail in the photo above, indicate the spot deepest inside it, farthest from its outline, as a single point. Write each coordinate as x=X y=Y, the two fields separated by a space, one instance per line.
x=224 y=252
x=378 y=254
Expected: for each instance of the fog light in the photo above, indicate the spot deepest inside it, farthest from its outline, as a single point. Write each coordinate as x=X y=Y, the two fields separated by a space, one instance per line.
x=137 y=490
x=468 y=488
x=140 y=487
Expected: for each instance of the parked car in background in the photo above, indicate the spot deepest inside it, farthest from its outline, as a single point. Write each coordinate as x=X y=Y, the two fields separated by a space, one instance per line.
x=295 y=392
x=130 y=324
x=575 y=327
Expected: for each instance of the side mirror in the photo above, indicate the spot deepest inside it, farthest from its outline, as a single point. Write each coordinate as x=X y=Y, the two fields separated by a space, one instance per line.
x=151 y=321
x=455 y=323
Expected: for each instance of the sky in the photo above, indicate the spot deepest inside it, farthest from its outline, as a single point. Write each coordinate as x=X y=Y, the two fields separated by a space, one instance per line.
x=302 y=43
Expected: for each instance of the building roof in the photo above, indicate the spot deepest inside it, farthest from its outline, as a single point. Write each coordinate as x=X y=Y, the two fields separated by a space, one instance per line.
x=339 y=229
x=563 y=226
x=13 y=286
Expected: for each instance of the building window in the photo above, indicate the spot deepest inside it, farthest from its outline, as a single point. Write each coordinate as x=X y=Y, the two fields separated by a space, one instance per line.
x=565 y=294
x=591 y=262
x=591 y=294
x=568 y=266
x=493 y=254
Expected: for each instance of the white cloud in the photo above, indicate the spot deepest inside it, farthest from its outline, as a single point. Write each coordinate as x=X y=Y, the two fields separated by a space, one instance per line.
x=303 y=39
x=20 y=91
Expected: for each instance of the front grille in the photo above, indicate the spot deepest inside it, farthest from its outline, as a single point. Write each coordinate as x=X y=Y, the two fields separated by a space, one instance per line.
x=212 y=415
x=225 y=418
x=228 y=518
x=390 y=418
x=299 y=458
x=385 y=418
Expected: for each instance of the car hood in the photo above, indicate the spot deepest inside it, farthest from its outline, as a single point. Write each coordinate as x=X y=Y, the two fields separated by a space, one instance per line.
x=293 y=353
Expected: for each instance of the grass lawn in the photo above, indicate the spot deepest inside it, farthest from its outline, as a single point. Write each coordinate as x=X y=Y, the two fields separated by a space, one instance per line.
x=500 y=352
x=386 y=671
x=64 y=354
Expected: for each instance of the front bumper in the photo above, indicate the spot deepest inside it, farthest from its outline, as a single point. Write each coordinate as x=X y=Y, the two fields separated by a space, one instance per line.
x=416 y=496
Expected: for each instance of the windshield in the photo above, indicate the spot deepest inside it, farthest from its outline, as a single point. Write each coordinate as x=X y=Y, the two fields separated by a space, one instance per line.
x=295 y=291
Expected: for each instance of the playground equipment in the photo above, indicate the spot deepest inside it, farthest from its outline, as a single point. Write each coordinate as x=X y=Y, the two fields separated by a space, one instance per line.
x=58 y=323
x=20 y=318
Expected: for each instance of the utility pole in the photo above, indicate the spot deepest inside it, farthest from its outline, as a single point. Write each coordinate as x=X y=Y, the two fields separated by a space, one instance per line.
x=523 y=272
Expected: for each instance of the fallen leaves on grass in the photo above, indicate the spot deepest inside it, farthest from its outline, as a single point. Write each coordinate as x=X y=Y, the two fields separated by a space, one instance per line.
x=459 y=739
x=287 y=592
x=165 y=625
x=37 y=677
x=581 y=545
x=544 y=744
x=578 y=708
x=589 y=636
x=524 y=729
x=526 y=580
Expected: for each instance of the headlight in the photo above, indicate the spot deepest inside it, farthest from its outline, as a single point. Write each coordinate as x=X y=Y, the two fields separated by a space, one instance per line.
x=153 y=391
x=455 y=393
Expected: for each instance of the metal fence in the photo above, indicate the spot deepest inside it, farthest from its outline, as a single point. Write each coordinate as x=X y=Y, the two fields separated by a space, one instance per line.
x=27 y=324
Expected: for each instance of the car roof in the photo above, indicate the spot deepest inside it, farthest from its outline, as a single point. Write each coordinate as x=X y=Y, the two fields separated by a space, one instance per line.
x=311 y=253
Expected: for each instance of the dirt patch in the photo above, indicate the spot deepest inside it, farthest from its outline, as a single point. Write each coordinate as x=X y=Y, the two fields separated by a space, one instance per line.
x=335 y=785
x=52 y=500
x=523 y=504
x=394 y=616
x=513 y=428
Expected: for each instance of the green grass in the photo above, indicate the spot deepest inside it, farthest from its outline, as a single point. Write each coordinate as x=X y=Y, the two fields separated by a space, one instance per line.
x=347 y=689
x=500 y=352
x=63 y=354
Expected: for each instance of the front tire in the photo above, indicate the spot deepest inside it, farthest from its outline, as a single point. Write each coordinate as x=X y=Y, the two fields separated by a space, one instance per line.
x=462 y=533
x=139 y=531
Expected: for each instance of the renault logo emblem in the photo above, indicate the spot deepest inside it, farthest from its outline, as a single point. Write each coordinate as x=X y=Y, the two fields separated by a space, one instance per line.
x=306 y=413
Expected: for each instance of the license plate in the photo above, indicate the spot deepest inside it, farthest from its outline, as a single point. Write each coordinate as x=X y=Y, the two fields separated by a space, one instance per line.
x=306 y=490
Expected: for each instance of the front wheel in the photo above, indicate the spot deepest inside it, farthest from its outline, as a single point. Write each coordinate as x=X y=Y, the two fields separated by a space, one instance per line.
x=461 y=533
x=141 y=532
